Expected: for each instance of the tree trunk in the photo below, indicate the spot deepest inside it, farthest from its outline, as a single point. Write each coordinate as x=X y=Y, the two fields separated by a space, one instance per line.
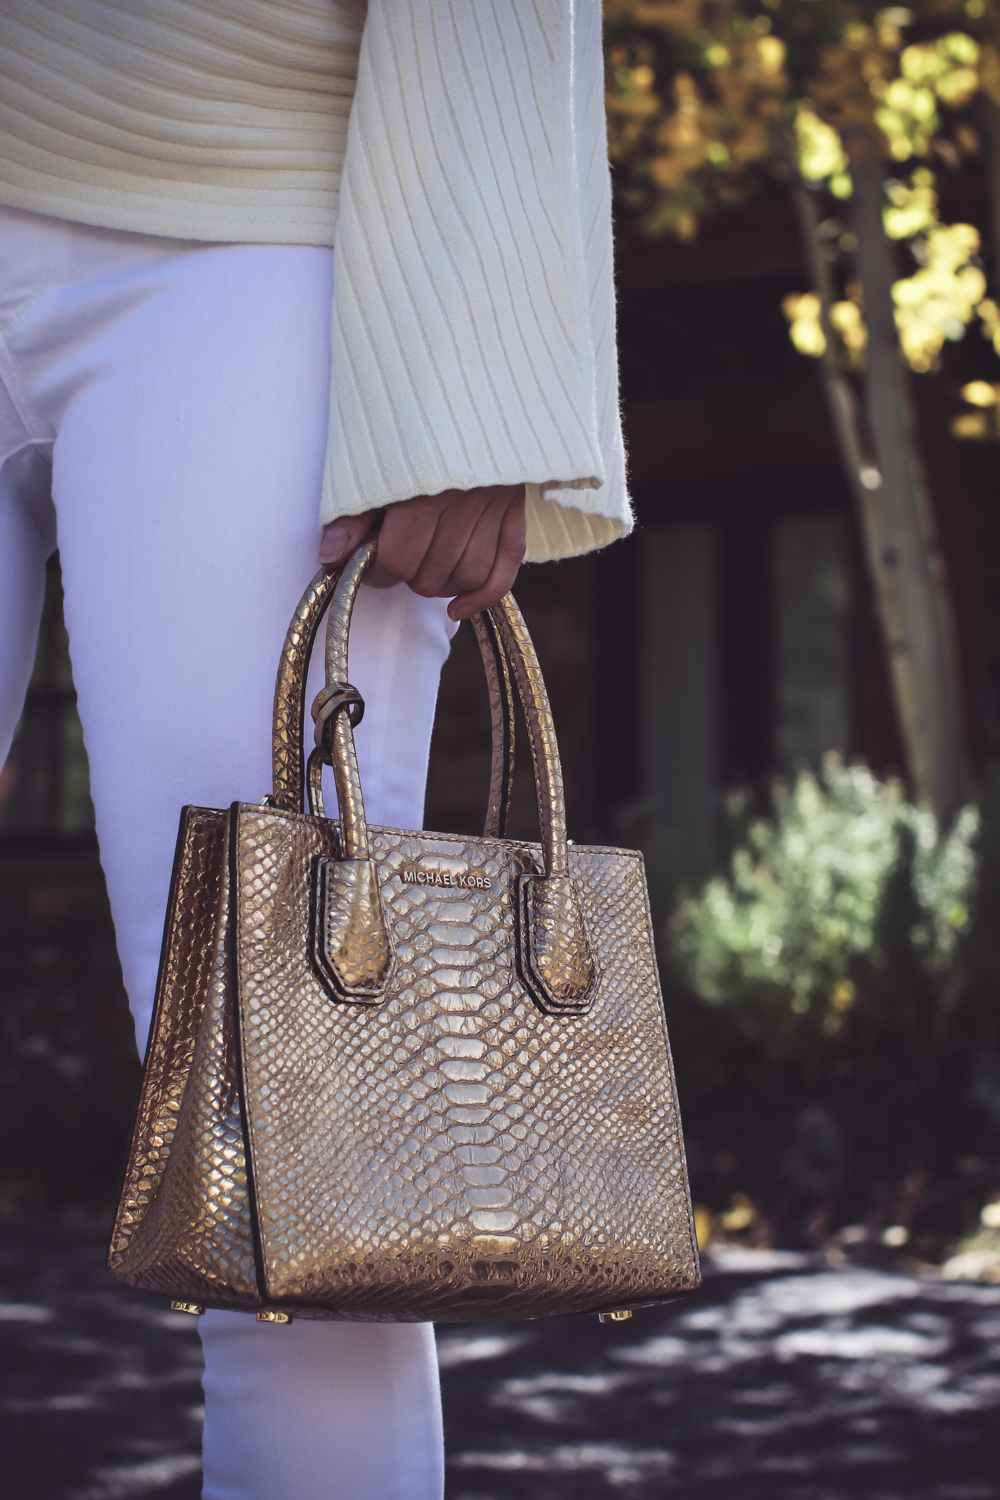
x=989 y=114
x=911 y=585
x=890 y=493
x=841 y=399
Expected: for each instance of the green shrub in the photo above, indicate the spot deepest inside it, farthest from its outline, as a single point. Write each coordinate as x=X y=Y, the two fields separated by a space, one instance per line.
x=801 y=902
x=833 y=1004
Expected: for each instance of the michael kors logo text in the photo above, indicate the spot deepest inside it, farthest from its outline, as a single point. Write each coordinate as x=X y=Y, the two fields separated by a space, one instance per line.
x=460 y=880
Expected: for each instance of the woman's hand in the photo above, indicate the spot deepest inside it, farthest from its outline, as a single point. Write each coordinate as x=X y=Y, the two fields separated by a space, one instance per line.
x=466 y=543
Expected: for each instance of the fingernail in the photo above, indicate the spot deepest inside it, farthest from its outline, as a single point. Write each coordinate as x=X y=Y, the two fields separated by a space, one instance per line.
x=335 y=542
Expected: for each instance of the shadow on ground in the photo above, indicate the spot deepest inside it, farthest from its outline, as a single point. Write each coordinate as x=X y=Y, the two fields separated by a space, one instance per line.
x=782 y=1380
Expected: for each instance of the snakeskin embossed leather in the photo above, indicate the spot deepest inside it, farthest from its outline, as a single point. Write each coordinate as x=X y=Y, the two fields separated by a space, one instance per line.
x=400 y=1076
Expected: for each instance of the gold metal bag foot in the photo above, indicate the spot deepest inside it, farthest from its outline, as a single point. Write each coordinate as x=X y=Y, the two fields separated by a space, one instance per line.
x=620 y=1315
x=270 y=1316
x=194 y=1308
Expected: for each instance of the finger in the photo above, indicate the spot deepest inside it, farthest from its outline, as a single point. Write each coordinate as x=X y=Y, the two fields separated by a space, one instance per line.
x=342 y=536
x=423 y=539
x=406 y=533
x=509 y=557
x=461 y=554
x=476 y=563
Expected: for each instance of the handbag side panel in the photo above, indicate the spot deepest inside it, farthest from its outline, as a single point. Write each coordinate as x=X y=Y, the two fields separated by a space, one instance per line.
x=183 y=1225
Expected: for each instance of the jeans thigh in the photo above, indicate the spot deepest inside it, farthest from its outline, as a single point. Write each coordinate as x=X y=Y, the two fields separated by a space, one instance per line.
x=186 y=480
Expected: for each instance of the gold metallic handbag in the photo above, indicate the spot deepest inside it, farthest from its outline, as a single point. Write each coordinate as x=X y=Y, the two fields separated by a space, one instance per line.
x=403 y=1076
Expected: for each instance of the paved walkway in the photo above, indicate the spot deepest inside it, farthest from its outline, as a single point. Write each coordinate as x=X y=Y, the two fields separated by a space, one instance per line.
x=782 y=1380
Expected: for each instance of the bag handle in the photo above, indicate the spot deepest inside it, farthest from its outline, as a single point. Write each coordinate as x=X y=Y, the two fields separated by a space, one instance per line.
x=553 y=952
x=501 y=691
x=554 y=956
x=288 y=760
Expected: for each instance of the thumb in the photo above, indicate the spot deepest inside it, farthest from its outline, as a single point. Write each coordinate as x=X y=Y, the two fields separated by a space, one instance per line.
x=343 y=535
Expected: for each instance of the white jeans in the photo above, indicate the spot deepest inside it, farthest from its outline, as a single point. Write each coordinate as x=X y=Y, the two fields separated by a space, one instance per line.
x=163 y=410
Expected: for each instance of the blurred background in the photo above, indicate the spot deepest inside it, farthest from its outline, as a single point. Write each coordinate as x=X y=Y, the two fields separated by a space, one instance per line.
x=784 y=687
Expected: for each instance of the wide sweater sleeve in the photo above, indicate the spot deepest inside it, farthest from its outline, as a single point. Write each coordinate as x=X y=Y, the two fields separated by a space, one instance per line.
x=474 y=320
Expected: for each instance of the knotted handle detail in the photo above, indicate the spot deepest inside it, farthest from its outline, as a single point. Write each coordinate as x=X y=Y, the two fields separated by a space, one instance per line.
x=288 y=758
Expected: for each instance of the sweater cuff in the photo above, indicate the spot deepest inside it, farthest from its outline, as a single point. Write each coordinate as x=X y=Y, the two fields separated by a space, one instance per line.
x=564 y=517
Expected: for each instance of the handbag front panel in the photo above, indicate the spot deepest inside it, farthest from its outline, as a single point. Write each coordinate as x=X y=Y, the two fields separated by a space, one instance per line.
x=453 y=1153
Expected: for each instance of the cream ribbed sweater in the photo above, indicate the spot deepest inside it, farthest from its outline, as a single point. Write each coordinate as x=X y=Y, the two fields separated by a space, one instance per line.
x=456 y=147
